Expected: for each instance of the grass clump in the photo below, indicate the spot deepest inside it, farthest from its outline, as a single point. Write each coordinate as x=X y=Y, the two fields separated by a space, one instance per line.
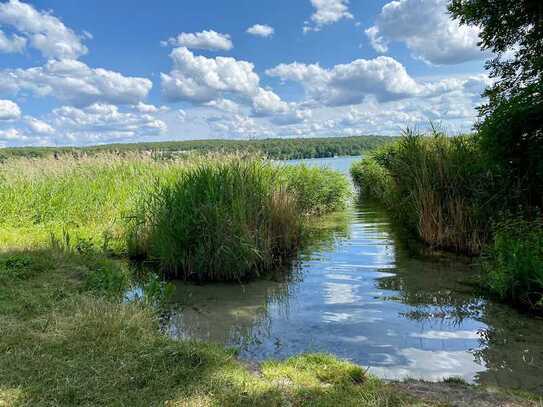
x=230 y=219
x=513 y=263
x=435 y=187
x=445 y=191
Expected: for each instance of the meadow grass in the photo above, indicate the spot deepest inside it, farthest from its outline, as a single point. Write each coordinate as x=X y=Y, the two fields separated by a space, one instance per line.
x=86 y=196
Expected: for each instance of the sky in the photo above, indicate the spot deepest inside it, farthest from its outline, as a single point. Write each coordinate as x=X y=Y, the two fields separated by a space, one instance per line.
x=103 y=71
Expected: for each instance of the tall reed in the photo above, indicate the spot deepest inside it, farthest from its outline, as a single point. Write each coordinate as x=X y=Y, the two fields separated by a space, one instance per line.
x=228 y=219
x=435 y=186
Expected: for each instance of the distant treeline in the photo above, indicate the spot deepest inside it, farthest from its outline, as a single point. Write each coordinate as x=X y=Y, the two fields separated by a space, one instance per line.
x=275 y=148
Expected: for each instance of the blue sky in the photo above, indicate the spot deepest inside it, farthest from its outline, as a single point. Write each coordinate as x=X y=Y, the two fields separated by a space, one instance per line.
x=76 y=73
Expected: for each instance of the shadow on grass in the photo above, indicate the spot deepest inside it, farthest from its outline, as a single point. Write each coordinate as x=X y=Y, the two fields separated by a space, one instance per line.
x=64 y=343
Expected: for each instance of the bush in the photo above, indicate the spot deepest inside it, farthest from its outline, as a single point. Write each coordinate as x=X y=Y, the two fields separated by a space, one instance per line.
x=513 y=264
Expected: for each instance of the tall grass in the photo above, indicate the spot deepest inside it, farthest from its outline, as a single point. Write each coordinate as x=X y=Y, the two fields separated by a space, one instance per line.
x=434 y=185
x=445 y=192
x=229 y=219
x=208 y=217
x=88 y=196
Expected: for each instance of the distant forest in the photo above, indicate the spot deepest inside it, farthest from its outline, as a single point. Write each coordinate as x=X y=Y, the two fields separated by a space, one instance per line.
x=275 y=148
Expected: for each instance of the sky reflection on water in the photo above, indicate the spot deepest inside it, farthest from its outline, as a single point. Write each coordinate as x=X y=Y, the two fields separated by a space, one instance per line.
x=356 y=292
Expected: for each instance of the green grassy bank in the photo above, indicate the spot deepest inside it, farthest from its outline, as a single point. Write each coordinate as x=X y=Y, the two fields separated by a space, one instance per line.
x=68 y=336
x=447 y=192
x=67 y=339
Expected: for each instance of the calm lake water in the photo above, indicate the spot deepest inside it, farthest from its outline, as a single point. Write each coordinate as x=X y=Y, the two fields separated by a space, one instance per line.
x=357 y=293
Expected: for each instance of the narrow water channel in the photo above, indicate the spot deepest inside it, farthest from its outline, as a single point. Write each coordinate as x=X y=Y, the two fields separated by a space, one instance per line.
x=357 y=293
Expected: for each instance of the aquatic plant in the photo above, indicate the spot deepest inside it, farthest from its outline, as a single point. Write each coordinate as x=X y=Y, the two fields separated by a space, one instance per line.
x=229 y=219
x=435 y=187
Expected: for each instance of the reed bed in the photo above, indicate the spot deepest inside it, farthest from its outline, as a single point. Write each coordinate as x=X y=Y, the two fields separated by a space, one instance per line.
x=434 y=185
x=231 y=219
x=212 y=217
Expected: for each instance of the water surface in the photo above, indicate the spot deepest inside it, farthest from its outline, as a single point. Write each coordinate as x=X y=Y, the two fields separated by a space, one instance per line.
x=358 y=293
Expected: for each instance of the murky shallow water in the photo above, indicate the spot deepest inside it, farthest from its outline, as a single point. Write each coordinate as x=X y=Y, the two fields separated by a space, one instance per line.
x=358 y=294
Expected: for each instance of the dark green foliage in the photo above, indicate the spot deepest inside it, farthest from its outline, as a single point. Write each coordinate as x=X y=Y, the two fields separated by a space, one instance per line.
x=513 y=263
x=106 y=277
x=511 y=126
x=512 y=140
x=507 y=26
x=275 y=148
x=24 y=264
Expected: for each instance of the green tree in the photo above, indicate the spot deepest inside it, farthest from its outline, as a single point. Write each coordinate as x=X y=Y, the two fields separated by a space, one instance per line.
x=511 y=125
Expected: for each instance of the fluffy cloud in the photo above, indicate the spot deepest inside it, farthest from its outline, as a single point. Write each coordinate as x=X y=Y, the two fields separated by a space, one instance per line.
x=201 y=79
x=208 y=40
x=261 y=30
x=38 y=126
x=15 y=44
x=328 y=12
x=44 y=31
x=100 y=123
x=347 y=84
x=9 y=110
x=427 y=30
x=76 y=83
x=225 y=105
x=266 y=102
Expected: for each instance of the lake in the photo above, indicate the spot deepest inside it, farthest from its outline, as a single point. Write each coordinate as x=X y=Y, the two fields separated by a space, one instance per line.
x=358 y=293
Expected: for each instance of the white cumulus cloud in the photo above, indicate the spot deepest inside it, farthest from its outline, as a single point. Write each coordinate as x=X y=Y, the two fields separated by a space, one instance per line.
x=208 y=40
x=38 y=126
x=328 y=12
x=9 y=110
x=261 y=30
x=346 y=84
x=101 y=123
x=427 y=30
x=13 y=44
x=74 y=82
x=200 y=79
x=42 y=29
